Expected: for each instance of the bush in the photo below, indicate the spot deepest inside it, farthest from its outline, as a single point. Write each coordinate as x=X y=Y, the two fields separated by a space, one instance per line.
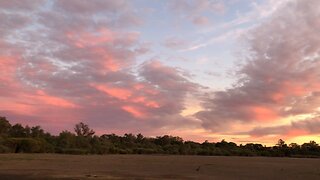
x=27 y=145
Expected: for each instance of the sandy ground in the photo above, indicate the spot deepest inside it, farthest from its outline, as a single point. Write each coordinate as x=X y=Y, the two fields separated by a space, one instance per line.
x=53 y=166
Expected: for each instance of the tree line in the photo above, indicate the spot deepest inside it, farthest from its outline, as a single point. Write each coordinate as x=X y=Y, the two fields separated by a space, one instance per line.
x=24 y=139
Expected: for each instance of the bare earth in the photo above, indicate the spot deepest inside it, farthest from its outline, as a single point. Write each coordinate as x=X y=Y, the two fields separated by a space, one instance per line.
x=53 y=166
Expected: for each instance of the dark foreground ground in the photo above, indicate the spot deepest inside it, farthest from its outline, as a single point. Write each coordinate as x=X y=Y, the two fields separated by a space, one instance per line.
x=52 y=166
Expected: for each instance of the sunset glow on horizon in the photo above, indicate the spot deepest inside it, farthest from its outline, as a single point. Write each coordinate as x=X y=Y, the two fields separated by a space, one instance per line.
x=243 y=71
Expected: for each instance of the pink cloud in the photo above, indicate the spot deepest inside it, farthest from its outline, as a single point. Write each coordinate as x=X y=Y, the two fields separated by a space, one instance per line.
x=118 y=93
x=90 y=7
x=51 y=100
x=7 y=68
x=294 y=129
x=134 y=111
x=145 y=102
x=85 y=39
x=75 y=68
x=263 y=114
x=194 y=9
x=18 y=5
x=280 y=77
x=201 y=20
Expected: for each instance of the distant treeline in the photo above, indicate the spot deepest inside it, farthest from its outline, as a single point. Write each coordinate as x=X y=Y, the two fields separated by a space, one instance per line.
x=19 y=139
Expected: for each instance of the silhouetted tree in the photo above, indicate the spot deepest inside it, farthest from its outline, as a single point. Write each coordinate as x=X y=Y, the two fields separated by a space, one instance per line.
x=312 y=146
x=140 y=138
x=82 y=129
x=66 y=139
x=281 y=143
x=37 y=132
x=4 y=126
x=21 y=139
x=254 y=147
x=18 y=130
x=294 y=145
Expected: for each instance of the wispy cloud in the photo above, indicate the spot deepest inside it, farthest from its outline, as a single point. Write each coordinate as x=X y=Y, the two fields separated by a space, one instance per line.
x=67 y=60
x=277 y=81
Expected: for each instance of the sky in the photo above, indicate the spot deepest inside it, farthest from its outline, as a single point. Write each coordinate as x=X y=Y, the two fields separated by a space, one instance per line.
x=245 y=71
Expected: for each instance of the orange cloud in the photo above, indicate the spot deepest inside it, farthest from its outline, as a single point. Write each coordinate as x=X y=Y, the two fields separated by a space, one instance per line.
x=52 y=100
x=134 y=111
x=296 y=132
x=138 y=86
x=111 y=65
x=263 y=113
x=124 y=94
x=18 y=107
x=278 y=97
x=118 y=93
x=152 y=104
x=8 y=67
x=145 y=102
x=85 y=39
x=295 y=89
x=7 y=61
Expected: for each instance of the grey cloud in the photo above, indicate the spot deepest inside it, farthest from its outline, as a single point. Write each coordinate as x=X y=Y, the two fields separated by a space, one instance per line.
x=280 y=77
x=195 y=10
x=69 y=68
x=309 y=126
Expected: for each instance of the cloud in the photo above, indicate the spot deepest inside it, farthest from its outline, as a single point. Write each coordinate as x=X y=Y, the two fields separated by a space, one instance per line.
x=280 y=77
x=198 y=6
x=194 y=10
x=118 y=13
x=227 y=36
x=201 y=20
x=165 y=77
x=65 y=63
x=175 y=43
x=26 y=5
x=62 y=62
x=296 y=128
x=92 y=6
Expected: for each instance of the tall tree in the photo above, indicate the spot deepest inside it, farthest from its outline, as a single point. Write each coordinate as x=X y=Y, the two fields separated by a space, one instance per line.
x=4 y=126
x=281 y=143
x=36 y=131
x=82 y=129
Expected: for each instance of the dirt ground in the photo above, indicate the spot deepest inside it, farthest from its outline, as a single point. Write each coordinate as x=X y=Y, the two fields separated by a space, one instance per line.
x=53 y=166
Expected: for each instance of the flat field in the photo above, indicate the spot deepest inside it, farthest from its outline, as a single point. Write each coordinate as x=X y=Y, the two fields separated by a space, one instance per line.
x=54 y=166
